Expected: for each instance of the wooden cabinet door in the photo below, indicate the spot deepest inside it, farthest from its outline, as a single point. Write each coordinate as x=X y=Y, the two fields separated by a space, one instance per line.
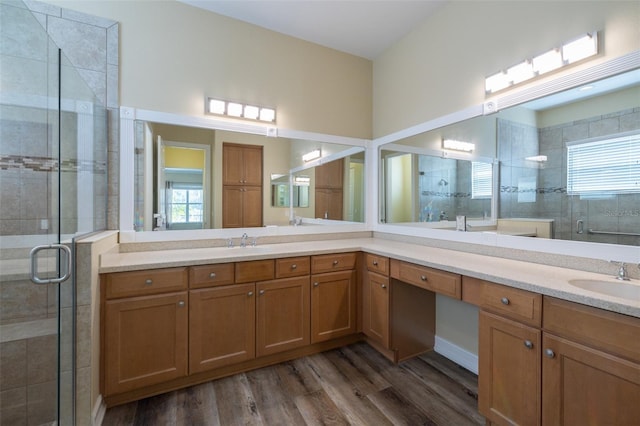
x=252 y=207
x=329 y=204
x=145 y=341
x=232 y=164
x=282 y=315
x=584 y=386
x=330 y=175
x=252 y=166
x=333 y=305
x=509 y=376
x=375 y=307
x=221 y=326
x=232 y=207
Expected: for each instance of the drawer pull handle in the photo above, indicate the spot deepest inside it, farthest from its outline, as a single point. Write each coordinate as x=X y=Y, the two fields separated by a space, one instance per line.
x=315 y=284
x=250 y=294
x=212 y=275
x=528 y=344
x=505 y=301
x=549 y=353
x=294 y=266
x=261 y=292
x=423 y=277
x=375 y=263
x=181 y=303
x=148 y=281
x=335 y=262
x=384 y=286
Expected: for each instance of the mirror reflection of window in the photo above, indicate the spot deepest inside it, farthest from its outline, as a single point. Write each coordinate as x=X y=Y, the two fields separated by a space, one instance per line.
x=185 y=205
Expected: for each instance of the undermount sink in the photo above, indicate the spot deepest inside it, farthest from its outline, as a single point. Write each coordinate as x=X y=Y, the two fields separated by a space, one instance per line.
x=613 y=287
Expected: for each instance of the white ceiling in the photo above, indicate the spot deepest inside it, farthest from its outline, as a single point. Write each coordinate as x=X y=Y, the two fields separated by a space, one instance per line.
x=360 y=27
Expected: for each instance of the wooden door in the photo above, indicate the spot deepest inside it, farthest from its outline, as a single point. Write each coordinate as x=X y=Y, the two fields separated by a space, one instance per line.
x=375 y=308
x=509 y=376
x=252 y=166
x=330 y=175
x=232 y=210
x=145 y=341
x=282 y=315
x=329 y=204
x=232 y=164
x=584 y=386
x=333 y=305
x=221 y=326
x=252 y=206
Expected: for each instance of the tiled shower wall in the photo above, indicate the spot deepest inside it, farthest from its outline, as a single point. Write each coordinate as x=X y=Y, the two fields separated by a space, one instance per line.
x=445 y=190
x=549 y=198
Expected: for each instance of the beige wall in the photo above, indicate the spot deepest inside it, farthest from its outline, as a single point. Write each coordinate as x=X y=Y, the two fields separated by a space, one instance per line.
x=173 y=55
x=440 y=67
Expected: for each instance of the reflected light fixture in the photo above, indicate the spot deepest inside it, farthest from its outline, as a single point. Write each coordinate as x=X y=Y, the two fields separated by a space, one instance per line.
x=312 y=155
x=239 y=110
x=569 y=53
x=458 y=145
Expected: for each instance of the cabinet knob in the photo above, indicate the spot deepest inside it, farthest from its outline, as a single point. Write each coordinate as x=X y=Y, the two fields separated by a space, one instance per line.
x=423 y=277
x=250 y=294
x=212 y=275
x=294 y=266
x=505 y=301
x=375 y=263
x=335 y=262
x=549 y=353
x=528 y=344
x=181 y=303
x=383 y=286
x=261 y=292
x=148 y=281
x=315 y=284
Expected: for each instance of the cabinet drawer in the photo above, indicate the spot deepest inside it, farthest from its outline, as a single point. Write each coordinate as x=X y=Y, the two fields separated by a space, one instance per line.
x=611 y=332
x=379 y=264
x=293 y=267
x=430 y=279
x=255 y=270
x=333 y=262
x=211 y=275
x=520 y=305
x=138 y=283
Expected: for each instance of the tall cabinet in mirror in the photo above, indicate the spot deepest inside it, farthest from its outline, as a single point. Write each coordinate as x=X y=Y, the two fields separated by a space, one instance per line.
x=242 y=186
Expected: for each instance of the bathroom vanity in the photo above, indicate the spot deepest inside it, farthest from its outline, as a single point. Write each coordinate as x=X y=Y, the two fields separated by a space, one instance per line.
x=174 y=318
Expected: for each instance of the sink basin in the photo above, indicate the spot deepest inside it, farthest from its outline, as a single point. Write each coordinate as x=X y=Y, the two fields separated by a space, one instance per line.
x=616 y=288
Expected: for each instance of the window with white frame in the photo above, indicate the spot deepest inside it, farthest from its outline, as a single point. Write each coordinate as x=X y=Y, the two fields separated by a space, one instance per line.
x=481 y=180
x=610 y=165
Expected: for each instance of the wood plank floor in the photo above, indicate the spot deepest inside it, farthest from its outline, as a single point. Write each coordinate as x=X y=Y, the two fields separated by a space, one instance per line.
x=353 y=385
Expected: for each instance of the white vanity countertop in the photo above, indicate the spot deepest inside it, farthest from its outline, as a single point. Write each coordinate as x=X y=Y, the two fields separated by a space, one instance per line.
x=547 y=280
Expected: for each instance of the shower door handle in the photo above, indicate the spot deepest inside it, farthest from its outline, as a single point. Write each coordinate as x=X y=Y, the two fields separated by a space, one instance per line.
x=63 y=250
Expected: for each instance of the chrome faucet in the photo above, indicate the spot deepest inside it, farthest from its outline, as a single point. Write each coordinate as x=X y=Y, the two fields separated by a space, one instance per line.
x=622 y=274
x=243 y=240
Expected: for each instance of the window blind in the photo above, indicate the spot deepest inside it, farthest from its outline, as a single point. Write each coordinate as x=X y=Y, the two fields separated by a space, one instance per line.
x=481 y=179
x=608 y=165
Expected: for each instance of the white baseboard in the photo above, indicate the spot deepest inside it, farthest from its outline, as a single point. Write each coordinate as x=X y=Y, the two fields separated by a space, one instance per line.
x=456 y=354
x=99 y=410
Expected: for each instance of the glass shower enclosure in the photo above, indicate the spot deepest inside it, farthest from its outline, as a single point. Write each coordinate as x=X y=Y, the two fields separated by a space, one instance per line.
x=53 y=189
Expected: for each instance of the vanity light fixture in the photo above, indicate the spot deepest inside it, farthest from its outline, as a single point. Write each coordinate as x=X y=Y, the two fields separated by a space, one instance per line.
x=239 y=110
x=569 y=53
x=458 y=145
x=312 y=155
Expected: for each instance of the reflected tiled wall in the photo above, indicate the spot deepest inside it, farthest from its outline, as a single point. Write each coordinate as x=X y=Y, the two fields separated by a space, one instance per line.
x=549 y=198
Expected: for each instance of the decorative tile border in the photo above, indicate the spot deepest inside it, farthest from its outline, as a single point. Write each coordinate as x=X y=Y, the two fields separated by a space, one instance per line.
x=47 y=164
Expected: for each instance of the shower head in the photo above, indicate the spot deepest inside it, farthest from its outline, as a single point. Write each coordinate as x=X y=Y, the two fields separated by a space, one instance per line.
x=443 y=182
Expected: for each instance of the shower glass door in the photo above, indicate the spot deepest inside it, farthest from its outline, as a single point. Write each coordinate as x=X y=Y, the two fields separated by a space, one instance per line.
x=52 y=191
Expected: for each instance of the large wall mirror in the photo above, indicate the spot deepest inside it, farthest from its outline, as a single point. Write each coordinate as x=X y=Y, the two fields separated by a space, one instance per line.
x=567 y=166
x=203 y=178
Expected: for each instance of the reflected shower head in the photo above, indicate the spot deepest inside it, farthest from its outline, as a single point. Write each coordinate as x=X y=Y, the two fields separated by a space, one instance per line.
x=443 y=182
